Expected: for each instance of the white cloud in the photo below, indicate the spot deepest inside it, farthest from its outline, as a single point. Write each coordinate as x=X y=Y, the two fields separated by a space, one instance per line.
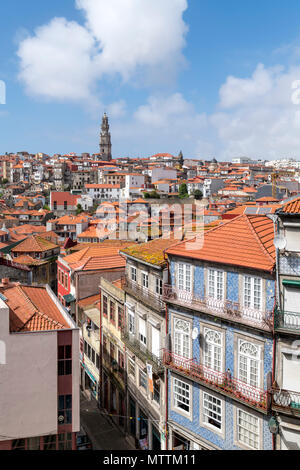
x=64 y=60
x=259 y=118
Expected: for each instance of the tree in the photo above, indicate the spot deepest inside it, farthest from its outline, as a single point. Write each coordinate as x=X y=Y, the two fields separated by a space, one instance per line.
x=146 y=195
x=79 y=209
x=46 y=207
x=183 y=191
x=154 y=195
x=198 y=194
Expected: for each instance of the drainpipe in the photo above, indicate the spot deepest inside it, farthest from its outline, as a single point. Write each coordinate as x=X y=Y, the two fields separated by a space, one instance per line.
x=166 y=370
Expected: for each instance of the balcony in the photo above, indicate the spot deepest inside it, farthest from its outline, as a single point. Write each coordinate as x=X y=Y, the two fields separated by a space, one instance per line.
x=287 y=321
x=144 y=295
x=285 y=401
x=221 y=308
x=219 y=381
x=142 y=352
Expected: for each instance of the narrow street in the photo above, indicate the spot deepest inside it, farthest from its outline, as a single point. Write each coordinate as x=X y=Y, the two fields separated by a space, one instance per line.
x=103 y=434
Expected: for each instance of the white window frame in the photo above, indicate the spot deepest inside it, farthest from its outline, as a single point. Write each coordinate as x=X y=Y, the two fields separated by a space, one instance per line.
x=250 y=290
x=145 y=280
x=208 y=412
x=246 y=441
x=213 y=351
x=182 y=337
x=143 y=332
x=142 y=374
x=216 y=284
x=158 y=286
x=186 y=389
x=133 y=273
x=131 y=363
x=131 y=322
x=185 y=277
x=248 y=362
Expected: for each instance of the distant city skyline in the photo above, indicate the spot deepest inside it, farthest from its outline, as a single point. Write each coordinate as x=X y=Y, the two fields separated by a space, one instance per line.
x=213 y=79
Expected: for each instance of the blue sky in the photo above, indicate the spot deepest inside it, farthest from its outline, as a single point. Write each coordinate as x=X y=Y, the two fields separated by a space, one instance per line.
x=211 y=77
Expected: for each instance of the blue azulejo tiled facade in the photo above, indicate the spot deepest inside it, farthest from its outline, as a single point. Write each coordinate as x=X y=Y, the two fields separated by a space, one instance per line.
x=224 y=430
x=219 y=364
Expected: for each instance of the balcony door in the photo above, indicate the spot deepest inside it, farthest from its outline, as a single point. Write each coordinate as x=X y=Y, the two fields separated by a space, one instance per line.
x=249 y=370
x=184 y=282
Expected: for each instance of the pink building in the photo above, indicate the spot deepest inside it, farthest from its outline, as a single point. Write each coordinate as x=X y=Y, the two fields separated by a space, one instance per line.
x=39 y=370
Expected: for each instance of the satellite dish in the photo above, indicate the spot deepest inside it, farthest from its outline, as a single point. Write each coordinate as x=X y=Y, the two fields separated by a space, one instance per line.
x=61 y=418
x=279 y=242
x=195 y=333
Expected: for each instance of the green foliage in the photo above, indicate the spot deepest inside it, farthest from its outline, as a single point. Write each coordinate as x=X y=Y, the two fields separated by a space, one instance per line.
x=183 y=191
x=46 y=207
x=79 y=209
x=198 y=194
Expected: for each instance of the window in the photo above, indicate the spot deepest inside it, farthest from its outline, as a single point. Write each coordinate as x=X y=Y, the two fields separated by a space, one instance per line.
x=143 y=380
x=212 y=410
x=248 y=429
x=158 y=286
x=65 y=409
x=252 y=292
x=156 y=391
x=120 y=318
x=104 y=301
x=105 y=350
x=65 y=360
x=216 y=284
x=248 y=363
x=97 y=361
x=133 y=273
x=182 y=336
x=65 y=205
x=145 y=280
x=121 y=362
x=212 y=356
x=131 y=367
x=185 y=277
x=131 y=322
x=142 y=331
x=65 y=441
x=93 y=356
x=112 y=312
x=181 y=395
x=66 y=281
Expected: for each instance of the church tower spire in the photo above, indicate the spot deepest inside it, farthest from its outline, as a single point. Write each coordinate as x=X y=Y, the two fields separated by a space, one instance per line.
x=105 y=140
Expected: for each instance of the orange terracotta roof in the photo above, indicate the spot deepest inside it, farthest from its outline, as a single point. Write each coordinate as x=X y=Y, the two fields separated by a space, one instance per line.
x=243 y=241
x=92 y=300
x=32 y=309
x=34 y=243
x=292 y=207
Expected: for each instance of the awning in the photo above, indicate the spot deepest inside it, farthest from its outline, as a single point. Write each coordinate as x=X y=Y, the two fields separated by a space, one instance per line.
x=69 y=298
x=291 y=282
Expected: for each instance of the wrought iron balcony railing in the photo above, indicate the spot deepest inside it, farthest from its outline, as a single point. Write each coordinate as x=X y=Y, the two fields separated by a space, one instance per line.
x=223 y=382
x=285 y=320
x=223 y=308
x=285 y=399
x=145 y=295
x=142 y=352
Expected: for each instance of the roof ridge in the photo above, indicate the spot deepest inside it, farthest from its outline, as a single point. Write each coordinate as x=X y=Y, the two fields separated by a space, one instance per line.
x=248 y=217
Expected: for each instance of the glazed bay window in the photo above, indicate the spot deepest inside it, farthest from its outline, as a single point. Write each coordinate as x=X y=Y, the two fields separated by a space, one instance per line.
x=248 y=429
x=212 y=411
x=65 y=360
x=182 y=395
x=182 y=335
x=65 y=409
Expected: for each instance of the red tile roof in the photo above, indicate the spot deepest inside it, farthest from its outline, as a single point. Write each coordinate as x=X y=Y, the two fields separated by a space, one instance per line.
x=244 y=241
x=292 y=207
x=32 y=309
